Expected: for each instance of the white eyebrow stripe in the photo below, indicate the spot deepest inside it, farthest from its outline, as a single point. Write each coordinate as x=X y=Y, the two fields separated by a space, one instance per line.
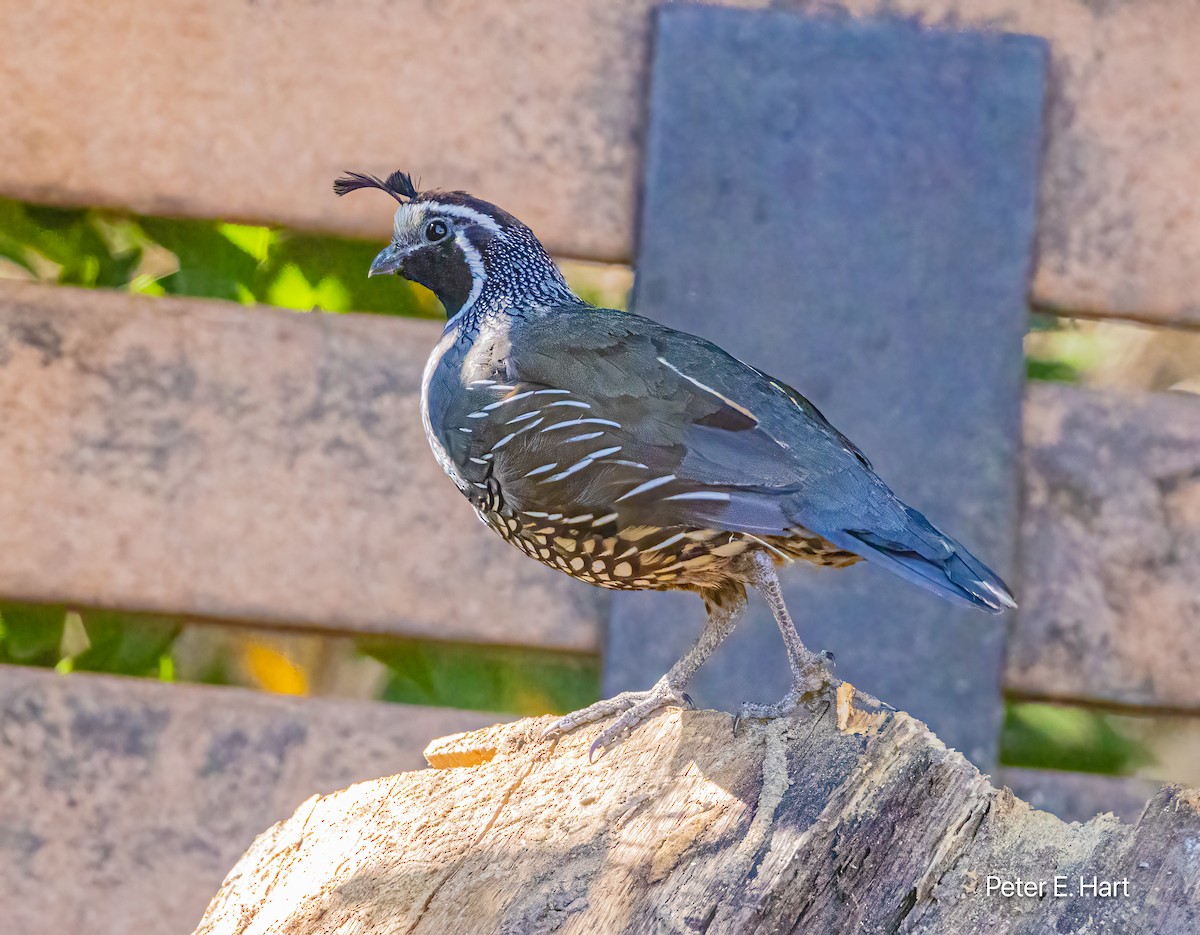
x=708 y=389
x=589 y=420
x=460 y=211
x=507 y=399
x=648 y=485
x=542 y=470
x=523 y=416
x=569 y=402
x=700 y=495
x=666 y=542
x=585 y=437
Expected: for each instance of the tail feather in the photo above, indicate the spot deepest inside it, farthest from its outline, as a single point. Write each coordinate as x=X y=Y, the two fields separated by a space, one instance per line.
x=934 y=561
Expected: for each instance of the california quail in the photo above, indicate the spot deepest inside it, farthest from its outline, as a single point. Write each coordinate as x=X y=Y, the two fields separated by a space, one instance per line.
x=633 y=456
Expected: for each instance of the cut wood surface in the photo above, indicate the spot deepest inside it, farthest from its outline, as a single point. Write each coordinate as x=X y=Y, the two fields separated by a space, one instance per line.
x=847 y=819
x=1110 y=549
x=197 y=458
x=124 y=802
x=192 y=457
x=250 y=109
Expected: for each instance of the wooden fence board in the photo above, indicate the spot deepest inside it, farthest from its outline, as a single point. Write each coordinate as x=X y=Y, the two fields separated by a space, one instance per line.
x=123 y=803
x=199 y=458
x=247 y=111
x=1110 y=548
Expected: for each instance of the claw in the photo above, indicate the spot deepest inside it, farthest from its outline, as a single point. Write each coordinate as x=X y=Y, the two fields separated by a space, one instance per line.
x=737 y=720
x=596 y=751
x=688 y=698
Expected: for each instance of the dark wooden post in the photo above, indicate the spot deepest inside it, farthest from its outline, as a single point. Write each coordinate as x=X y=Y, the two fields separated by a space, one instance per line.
x=850 y=206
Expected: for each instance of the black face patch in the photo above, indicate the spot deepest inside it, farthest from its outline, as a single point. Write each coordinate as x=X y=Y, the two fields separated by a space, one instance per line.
x=442 y=268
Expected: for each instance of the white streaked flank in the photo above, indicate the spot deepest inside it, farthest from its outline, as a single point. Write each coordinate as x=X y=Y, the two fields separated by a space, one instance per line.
x=507 y=399
x=569 y=402
x=581 y=464
x=586 y=436
x=701 y=495
x=582 y=421
x=523 y=416
x=648 y=485
x=666 y=542
x=606 y=518
x=542 y=470
x=708 y=389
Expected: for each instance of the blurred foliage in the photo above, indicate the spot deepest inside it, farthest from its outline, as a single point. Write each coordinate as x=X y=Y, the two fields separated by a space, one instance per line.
x=485 y=678
x=31 y=635
x=274 y=670
x=209 y=259
x=96 y=641
x=1049 y=736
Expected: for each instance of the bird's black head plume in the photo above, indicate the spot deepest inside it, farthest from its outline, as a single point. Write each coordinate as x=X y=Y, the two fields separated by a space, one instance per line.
x=399 y=184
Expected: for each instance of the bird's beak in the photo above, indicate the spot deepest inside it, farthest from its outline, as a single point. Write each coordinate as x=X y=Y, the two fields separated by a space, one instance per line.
x=388 y=261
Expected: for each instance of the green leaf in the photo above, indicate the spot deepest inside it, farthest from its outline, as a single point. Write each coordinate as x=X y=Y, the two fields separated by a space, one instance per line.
x=126 y=644
x=31 y=634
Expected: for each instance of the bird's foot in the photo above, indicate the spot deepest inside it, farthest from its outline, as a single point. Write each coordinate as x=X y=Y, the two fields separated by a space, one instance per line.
x=634 y=707
x=811 y=682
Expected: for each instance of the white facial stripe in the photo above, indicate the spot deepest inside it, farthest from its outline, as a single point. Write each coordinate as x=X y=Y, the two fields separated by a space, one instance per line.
x=478 y=276
x=708 y=389
x=436 y=207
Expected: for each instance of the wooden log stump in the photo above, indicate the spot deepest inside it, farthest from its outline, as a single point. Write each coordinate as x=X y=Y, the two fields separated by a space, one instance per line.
x=851 y=818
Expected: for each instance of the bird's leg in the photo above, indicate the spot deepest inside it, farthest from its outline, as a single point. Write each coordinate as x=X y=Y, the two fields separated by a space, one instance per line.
x=810 y=674
x=723 y=615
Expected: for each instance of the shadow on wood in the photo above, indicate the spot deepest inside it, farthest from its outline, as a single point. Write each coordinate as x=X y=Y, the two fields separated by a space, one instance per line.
x=852 y=818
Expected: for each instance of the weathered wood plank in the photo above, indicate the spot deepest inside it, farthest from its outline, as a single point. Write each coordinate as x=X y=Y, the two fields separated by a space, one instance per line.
x=1110 y=548
x=123 y=802
x=1122 y=137
x=197 y=458
x=847 y=821
x=858 y=201
x=539 y=104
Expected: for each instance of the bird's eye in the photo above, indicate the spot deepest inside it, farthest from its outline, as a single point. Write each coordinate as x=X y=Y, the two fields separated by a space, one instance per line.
x=436 y=230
